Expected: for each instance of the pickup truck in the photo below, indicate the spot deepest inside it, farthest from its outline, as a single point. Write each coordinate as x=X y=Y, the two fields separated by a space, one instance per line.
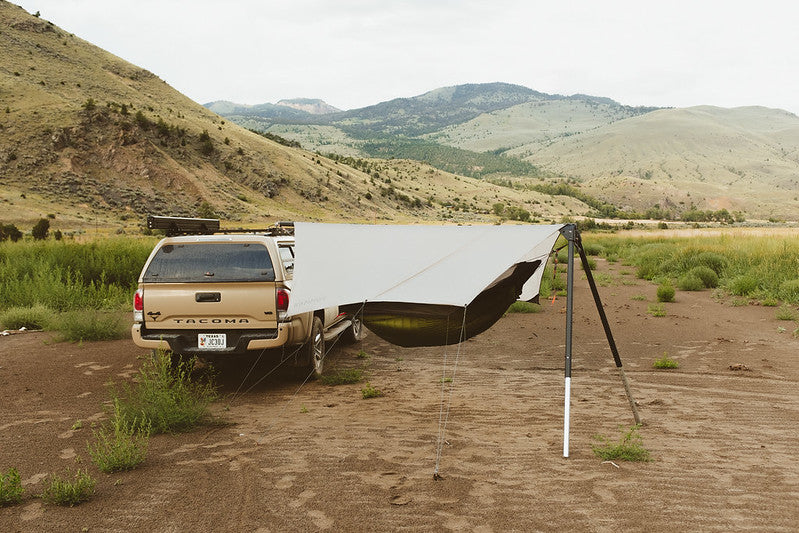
x=212 y=294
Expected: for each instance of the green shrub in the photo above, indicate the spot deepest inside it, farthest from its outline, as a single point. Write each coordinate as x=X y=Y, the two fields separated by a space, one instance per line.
x=36 y=317
x=165 y=396
x=10 y=487
x=370 y=392
x=665 y=293
x=712 y=260
x=345 y=376
x=79 y=326
x=789 y=290
x=656 y=310
x=665 y=362
x=121 y=444
x=786 y=312
x=630 y=447
x=743 y=285
x=708 y=276
x=524 y=307
x=66 y=491
x=690 y=282
x=593 y=248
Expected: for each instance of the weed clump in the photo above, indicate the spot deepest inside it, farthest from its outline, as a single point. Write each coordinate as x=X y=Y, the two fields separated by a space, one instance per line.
x=165 y=396
x=36 y=317
x=79 y=326
x=630 y=447
x=346 y=376
x=789 y=290
x=69 y=492
x=786 y=312
x=10 y=487
x=656 y=309
x=665 y=362
x=690 y=282
x=121 y=444
x=709 y=277
x=524 y=307
x=665 y=293
x=743 y=285
x=370 y=392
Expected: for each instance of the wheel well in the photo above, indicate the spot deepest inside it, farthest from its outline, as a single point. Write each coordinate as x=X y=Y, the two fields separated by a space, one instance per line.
x=321 y=315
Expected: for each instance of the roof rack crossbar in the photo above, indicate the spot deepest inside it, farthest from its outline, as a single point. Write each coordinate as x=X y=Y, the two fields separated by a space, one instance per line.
x=173 y=226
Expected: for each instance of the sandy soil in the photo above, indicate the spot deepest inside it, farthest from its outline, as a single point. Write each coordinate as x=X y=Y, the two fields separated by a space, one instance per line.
x=312 y=457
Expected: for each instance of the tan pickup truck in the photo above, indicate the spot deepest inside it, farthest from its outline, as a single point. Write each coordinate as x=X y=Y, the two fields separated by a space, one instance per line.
x=212 y=294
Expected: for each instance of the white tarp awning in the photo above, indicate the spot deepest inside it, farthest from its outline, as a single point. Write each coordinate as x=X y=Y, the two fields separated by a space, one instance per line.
x=338 y=264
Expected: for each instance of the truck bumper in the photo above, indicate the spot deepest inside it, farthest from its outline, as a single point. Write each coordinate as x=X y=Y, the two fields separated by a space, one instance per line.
x=185 y=341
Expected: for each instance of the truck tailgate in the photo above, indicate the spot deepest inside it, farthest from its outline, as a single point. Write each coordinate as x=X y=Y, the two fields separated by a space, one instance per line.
x=210 y=305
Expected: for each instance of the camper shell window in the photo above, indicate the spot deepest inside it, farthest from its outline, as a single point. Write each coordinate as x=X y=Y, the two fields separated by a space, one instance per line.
x=210 y=263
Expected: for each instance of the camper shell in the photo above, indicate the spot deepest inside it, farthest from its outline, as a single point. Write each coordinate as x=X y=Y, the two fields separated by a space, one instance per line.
x=212 y=293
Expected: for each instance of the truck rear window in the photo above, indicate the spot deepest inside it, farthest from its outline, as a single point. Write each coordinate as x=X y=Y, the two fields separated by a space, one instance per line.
x=210 y=262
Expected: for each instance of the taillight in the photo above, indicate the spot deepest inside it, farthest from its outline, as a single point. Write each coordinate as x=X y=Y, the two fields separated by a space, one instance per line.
x=138 y=306
x=282 y=297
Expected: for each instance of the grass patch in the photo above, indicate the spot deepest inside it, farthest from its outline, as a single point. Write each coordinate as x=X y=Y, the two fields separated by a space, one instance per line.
x=10 y=487
x=769 y=302
x=121 y=444
x=786 y=312
x=69 y=490
x=79 y=326
x=665 y=293
x=36 y=317
x=638 y=297
x=629 y=447
x=370 y=392
x=363 y=355
x=690 y=282
x=665 y=362
x=165 y=396
x=743 y=285
x=524 y=307
x=656 y=309
x=345 y=376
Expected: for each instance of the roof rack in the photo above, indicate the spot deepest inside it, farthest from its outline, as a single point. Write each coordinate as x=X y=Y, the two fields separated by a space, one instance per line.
x=206 y=226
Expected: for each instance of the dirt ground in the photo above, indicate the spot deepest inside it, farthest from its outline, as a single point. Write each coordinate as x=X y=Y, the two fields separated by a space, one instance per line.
x=725 y=443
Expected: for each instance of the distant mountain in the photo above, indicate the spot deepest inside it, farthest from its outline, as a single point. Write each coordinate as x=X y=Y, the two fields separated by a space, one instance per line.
x=706 y=158
x=313 y=106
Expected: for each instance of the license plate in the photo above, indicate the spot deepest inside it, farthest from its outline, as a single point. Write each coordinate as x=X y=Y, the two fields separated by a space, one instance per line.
x=211 y=341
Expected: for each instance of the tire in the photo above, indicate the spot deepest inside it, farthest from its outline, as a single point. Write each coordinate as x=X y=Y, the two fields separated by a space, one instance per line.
x=315 y=348
x=354 y=333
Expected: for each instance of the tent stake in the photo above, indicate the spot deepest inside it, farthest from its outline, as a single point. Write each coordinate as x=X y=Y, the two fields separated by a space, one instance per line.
x=601 y=310
x=568 y=232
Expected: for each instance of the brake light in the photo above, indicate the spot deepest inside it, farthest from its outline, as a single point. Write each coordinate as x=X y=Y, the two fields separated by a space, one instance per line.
x=138 y=306
x=282 y=300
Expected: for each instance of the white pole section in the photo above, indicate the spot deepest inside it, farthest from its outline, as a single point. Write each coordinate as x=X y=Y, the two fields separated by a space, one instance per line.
x=566 y=405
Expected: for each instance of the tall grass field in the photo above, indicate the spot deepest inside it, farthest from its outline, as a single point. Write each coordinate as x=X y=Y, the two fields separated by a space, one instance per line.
x=757 y=267
x=70 y=286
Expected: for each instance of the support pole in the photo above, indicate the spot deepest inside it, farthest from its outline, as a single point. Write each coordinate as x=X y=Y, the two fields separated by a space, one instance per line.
x=569 y=231
x=601 y=310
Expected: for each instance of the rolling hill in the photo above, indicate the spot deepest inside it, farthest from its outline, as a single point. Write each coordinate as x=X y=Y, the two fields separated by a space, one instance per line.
x=93 y=140
x=680 y=160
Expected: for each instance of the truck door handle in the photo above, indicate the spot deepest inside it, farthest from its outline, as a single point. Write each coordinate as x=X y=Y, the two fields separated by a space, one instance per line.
x=208 y=297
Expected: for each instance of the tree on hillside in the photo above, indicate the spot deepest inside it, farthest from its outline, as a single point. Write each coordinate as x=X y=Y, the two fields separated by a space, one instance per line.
x=41 y=229
x=9 y=231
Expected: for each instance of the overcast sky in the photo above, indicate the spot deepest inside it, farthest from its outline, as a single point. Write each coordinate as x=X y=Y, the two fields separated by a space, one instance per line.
x=355 y=53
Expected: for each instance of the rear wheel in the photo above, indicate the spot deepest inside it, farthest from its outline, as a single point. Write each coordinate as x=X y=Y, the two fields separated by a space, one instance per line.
x=354 y=333
x=315 y=348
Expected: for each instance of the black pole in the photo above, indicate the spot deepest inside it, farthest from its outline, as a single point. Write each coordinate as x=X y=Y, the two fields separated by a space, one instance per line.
x=568 y=232
x=603 y=317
